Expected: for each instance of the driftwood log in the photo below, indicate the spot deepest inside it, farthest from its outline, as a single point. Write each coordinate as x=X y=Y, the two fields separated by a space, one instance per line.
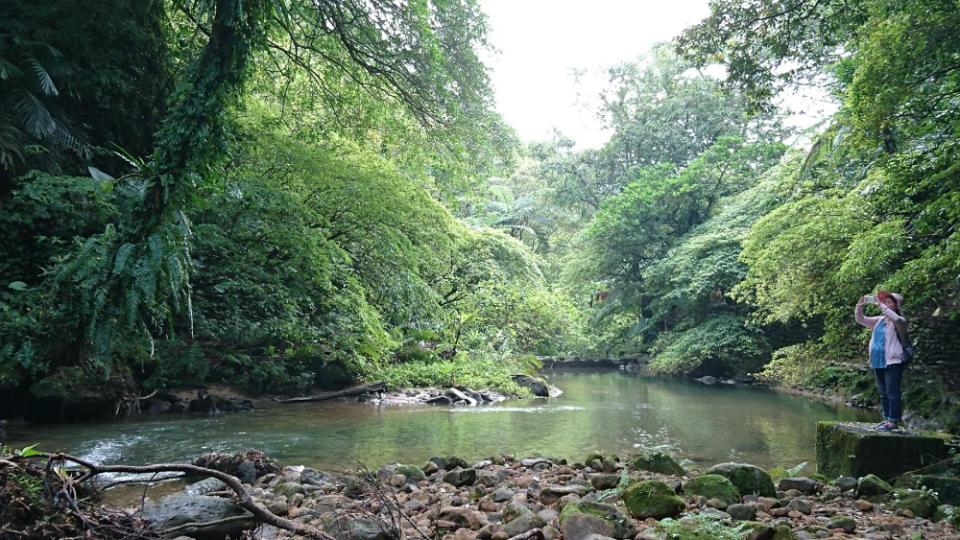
x=347 y=392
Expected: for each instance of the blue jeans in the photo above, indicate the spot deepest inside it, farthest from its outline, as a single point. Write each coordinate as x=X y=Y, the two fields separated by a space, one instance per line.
x=888 y=382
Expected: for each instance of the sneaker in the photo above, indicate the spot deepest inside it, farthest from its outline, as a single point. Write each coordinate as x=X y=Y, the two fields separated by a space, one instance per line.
x=887 y=426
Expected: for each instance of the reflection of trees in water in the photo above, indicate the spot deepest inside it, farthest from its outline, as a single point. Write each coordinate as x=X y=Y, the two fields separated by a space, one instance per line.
x=605 y=412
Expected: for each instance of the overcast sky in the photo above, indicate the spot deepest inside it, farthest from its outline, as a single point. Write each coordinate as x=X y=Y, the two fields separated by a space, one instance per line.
x=543 y=42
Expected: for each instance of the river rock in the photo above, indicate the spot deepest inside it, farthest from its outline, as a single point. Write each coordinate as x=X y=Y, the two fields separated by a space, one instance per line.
x=515 y=508
x=552 y=494
x=801 y=505
x=487 y=478
x=537 y=387
x=463 y=516
x=846 y=523
x=652 y=499
x=411 y=473
x=802 y=484
x=742 y=512
x=713 y=486
x=749 y=479
x=657 y=462
x=180 y=509
x=460 y=477
x=207 y=485
x=347 y=527
x=845 y=483
x=604 y=481
x=580 y=519
x=872 y=486
x=947 y=487
x=502 y=495
x=523 y=524
x=920 y=503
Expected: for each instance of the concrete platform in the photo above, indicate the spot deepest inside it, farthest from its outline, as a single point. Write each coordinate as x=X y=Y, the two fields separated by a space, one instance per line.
x=856 y=449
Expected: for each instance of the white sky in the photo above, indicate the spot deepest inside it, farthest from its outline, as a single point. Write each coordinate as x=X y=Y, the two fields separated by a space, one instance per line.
x=542 y=43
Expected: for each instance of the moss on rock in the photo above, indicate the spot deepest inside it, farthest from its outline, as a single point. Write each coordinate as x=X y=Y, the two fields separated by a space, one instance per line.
x=922 y=503
x=652 y=498
x=749 y=479
x=657 y=462
x=713 y=486
x=854 y=449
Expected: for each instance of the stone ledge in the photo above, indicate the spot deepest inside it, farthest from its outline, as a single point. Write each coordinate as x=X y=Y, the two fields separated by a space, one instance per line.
x=856 y=449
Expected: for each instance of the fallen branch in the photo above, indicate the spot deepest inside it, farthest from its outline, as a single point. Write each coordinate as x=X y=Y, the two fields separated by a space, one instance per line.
x=244 y=498
x=347 y=392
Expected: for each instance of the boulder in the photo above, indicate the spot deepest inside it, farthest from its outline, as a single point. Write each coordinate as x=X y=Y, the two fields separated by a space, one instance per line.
x=604 y=480
x=652 y=498
x=846 y=523
x=537 y=387
x=523 y=524
x=802 y=484
x=657 y=462
x=742 y=512
x=461 y=477
x=749 y=479
x=856 y=449
x=947 y=487
x=181 y=509
x=872 y=486
x=713 y=486
x=580 y=519
x=921 y=503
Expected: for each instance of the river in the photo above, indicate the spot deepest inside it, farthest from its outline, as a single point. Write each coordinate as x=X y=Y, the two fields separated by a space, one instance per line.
x=606 y=411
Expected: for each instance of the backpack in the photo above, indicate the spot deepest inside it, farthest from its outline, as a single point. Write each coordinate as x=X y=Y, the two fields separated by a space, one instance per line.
x=908 y=350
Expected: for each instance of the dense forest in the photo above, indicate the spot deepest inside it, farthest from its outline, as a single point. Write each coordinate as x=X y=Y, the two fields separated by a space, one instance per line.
x=283 y=195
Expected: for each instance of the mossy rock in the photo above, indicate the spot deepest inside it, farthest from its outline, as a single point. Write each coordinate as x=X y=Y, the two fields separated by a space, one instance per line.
x=652 y=498
x=412 y=472
x=922 y=503
x=855 y=449
x=657 y=462
x=713 y=486
x=749 y=479
x=872 y=485
x=948 y=513
x=582 y=517
x=947 y=487
x=755 y=529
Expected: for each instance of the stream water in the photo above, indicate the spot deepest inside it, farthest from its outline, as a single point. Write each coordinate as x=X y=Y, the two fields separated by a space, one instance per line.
x=604 y=411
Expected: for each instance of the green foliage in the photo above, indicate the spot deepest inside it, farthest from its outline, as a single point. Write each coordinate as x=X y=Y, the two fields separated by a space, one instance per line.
x=722 y=345
x=484 y=372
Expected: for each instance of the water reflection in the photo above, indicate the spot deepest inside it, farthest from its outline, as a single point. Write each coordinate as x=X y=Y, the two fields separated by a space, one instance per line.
x=602 y=411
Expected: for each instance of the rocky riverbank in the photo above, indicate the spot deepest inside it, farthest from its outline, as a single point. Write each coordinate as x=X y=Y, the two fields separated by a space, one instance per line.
x=503 y=498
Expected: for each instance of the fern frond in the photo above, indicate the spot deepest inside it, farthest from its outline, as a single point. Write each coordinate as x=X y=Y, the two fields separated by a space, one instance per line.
x=43 y=77
x=123 y=255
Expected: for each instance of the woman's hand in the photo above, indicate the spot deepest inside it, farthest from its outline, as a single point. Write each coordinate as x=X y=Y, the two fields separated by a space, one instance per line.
x=861 y=302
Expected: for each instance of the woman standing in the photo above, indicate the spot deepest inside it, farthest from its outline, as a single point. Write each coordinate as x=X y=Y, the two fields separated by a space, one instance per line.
x=889 y=331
